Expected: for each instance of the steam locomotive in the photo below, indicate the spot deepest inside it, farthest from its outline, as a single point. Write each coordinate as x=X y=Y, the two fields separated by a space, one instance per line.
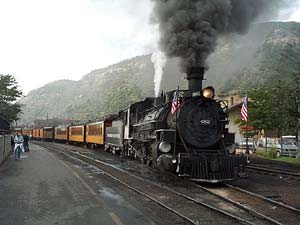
x=191 y=139
x=193 y=142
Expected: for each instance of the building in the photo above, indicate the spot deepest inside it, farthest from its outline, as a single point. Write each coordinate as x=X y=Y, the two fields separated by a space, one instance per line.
x=235 y=103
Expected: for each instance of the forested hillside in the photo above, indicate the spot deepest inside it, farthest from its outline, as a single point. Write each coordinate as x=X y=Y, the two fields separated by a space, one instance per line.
x=100 y=92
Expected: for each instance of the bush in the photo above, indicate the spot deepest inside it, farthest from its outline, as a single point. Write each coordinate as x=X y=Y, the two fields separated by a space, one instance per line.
x=298 y=155
x=272 y=153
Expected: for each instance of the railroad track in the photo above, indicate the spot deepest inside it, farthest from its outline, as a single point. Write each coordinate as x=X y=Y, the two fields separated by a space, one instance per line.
x=271 y=210
x=271 y=170
x=274 y=164
x=195 y=205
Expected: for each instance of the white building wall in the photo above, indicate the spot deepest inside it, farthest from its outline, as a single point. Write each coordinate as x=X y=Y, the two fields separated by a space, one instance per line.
x=235 y=128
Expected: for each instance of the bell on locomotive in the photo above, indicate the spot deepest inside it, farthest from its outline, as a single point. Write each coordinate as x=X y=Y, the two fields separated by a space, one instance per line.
x=195 y=142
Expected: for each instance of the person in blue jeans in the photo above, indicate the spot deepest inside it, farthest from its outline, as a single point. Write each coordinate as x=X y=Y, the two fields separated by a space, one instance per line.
x=18 y=145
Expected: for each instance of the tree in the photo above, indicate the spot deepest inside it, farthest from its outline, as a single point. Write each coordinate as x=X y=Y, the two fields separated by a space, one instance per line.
x=260 y=110
x=293 y=105
x=9 y=93
x=276 y=106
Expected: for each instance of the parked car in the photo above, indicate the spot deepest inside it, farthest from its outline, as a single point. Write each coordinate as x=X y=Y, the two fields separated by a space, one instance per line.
x=251 y=145
x=284 y=146
x=292 y=138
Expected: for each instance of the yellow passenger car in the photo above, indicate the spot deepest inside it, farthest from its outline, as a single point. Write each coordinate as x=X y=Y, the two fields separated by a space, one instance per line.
x=34 y=133
x=95 y=132
x=48 y=133
x=76 y=133
x=41 y=133
x=37 y=133
x=61 y=134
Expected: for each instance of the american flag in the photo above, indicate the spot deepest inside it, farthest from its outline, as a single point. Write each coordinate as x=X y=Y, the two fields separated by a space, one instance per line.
x=244 y=111
x=175 y=103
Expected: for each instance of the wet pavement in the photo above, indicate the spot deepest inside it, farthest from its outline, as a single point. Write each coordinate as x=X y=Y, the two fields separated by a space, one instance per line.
x=42 y=188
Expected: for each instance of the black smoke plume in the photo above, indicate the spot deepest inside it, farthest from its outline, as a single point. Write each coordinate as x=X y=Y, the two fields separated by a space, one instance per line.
x=189 y=29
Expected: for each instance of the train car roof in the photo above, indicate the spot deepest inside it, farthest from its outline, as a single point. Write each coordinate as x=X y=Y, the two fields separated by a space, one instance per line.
x=17 y=128
x=94 y=123
x=76 y=125
x=60 y=127
x=27 y=128
x=103 y=119
x=47 y=127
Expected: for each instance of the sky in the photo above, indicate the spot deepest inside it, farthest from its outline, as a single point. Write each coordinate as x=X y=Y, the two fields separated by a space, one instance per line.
x=43 y=41
x=47 y=40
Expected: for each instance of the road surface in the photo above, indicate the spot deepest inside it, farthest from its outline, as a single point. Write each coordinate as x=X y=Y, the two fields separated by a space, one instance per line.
x=42 y=188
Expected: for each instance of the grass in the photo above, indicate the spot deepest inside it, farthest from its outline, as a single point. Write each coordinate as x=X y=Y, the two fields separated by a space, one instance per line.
x=271 y=154
x=289 y=160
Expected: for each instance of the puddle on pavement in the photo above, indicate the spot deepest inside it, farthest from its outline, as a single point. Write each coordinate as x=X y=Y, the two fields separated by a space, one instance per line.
x=108 y=193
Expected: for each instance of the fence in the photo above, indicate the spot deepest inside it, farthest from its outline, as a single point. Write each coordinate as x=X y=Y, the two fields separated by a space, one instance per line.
x=5 y=146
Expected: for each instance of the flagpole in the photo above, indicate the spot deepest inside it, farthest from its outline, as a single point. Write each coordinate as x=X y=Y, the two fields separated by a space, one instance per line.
x=247 y=146
x=176 y=118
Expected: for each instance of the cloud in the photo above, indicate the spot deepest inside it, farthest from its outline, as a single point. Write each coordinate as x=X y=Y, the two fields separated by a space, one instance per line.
x=42 y=41
x=291 y=11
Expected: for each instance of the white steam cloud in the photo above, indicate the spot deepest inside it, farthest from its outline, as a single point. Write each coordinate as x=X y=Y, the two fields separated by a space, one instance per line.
x=159 y=60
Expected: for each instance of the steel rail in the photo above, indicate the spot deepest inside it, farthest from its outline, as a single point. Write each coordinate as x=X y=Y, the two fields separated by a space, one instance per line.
x=264 y=198
x=248 y=207
x=272 y=170
x=87 y=159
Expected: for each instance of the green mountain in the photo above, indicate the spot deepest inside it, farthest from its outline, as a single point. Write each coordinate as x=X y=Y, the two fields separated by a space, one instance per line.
x=270 y=51
x=98 y=93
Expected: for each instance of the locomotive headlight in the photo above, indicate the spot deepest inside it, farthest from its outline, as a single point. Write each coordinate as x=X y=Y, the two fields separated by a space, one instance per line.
x=208 y=92
x=164 y=147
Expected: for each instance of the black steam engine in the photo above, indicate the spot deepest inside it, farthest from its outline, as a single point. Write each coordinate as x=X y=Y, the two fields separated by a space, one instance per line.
x=193 y=141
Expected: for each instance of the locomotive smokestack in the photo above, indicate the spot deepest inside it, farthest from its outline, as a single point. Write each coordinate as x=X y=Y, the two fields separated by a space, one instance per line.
x=195 y=77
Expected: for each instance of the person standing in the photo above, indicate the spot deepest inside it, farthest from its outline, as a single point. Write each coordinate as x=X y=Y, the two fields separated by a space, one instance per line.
x=25 y=143
x=18 y=145
x=12 y=142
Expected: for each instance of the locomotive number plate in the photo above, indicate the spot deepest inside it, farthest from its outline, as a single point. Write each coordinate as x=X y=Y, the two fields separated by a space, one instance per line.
x=205 y=122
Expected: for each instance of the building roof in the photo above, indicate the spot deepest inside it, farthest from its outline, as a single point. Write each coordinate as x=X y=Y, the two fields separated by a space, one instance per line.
x=235 y=107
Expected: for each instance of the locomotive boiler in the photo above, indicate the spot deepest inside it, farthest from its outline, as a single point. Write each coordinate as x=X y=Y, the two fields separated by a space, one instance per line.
x=191 y=139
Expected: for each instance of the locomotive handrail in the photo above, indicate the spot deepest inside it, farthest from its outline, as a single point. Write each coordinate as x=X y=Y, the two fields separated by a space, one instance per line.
x=150 y=121
x=160 y=130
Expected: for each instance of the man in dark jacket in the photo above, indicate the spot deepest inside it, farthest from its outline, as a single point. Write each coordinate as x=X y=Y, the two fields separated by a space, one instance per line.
x=25 y=143
x=12 y=143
